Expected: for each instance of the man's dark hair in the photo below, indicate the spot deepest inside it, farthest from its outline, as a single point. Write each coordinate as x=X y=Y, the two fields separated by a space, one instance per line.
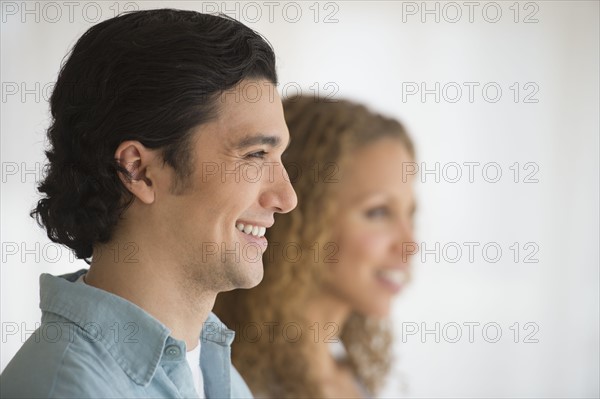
x=151 y=76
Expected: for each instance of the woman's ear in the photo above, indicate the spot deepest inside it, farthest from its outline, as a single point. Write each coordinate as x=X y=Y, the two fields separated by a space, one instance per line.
x=137 y=159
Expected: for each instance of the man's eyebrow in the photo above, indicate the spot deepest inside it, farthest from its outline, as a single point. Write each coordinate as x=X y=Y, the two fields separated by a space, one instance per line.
x=249 y=141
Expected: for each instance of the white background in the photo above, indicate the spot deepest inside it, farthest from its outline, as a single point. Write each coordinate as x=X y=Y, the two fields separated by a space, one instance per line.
x=372 y=52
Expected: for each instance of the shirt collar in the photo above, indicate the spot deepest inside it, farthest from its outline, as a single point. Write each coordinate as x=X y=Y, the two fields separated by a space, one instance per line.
x=133 y=337
x=213 y=330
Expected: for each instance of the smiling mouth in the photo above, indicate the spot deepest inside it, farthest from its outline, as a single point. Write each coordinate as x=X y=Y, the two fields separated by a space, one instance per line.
x=393 y=278
x=253 y=230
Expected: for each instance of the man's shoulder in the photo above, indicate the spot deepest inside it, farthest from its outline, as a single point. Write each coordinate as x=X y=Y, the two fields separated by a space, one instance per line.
x=58 y=364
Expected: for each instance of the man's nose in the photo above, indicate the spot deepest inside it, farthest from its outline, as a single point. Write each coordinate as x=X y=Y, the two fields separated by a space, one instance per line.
x=280 y=195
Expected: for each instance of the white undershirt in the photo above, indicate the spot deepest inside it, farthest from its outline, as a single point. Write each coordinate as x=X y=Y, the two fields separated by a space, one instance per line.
x=193 y=360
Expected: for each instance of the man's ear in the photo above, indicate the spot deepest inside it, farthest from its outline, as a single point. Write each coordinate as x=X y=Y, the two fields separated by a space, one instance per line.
x=137 y=159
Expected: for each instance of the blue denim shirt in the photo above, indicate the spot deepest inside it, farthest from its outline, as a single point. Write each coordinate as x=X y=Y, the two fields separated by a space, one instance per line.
x=92 y=343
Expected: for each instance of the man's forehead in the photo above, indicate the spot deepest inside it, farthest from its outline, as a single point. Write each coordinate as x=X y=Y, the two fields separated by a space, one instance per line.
x=242 y=121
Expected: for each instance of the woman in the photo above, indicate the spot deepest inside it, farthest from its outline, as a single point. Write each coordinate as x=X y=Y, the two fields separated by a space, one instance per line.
x=334 y=263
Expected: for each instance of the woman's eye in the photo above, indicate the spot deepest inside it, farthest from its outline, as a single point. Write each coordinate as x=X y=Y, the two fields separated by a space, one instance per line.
x=378 y=212
x=258 y=154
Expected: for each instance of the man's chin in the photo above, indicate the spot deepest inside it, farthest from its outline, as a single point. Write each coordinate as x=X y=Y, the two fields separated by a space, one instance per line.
x=253 y=279
x=250 y=275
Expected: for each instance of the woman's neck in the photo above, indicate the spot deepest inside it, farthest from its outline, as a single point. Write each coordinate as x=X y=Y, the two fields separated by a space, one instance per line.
x=326 y=316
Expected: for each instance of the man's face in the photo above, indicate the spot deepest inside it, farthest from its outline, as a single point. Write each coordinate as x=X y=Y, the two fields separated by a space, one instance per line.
x=238 y=180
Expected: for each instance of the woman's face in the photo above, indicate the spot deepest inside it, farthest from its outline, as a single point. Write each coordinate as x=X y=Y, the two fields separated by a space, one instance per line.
x=374 y=230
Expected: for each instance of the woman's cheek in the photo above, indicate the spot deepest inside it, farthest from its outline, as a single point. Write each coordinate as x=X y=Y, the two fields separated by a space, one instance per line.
x=371 y=244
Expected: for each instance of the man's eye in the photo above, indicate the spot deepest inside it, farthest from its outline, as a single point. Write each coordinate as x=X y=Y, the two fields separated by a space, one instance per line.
x=258 y=154
x=378 y=212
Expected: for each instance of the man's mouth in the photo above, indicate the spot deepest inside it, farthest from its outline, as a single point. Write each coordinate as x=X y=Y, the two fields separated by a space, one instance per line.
x=250 y=229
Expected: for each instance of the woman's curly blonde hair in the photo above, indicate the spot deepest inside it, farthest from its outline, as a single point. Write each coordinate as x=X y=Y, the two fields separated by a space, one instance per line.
x=266 y=351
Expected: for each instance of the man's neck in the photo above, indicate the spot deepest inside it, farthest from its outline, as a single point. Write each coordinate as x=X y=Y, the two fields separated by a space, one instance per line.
x=161 y=289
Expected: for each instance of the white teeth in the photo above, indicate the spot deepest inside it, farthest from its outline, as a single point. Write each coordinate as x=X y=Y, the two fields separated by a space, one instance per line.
x=257 y=231
x=395 y=276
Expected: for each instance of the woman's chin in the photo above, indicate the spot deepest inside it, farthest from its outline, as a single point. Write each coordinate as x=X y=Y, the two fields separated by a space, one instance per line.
x=379 y=311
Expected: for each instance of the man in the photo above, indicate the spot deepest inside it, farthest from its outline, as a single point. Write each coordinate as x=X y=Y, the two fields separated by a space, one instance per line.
x=165 y=170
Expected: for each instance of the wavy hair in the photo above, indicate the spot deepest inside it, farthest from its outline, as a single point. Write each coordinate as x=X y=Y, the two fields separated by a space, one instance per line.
x=151 y=76
x=265 y=351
